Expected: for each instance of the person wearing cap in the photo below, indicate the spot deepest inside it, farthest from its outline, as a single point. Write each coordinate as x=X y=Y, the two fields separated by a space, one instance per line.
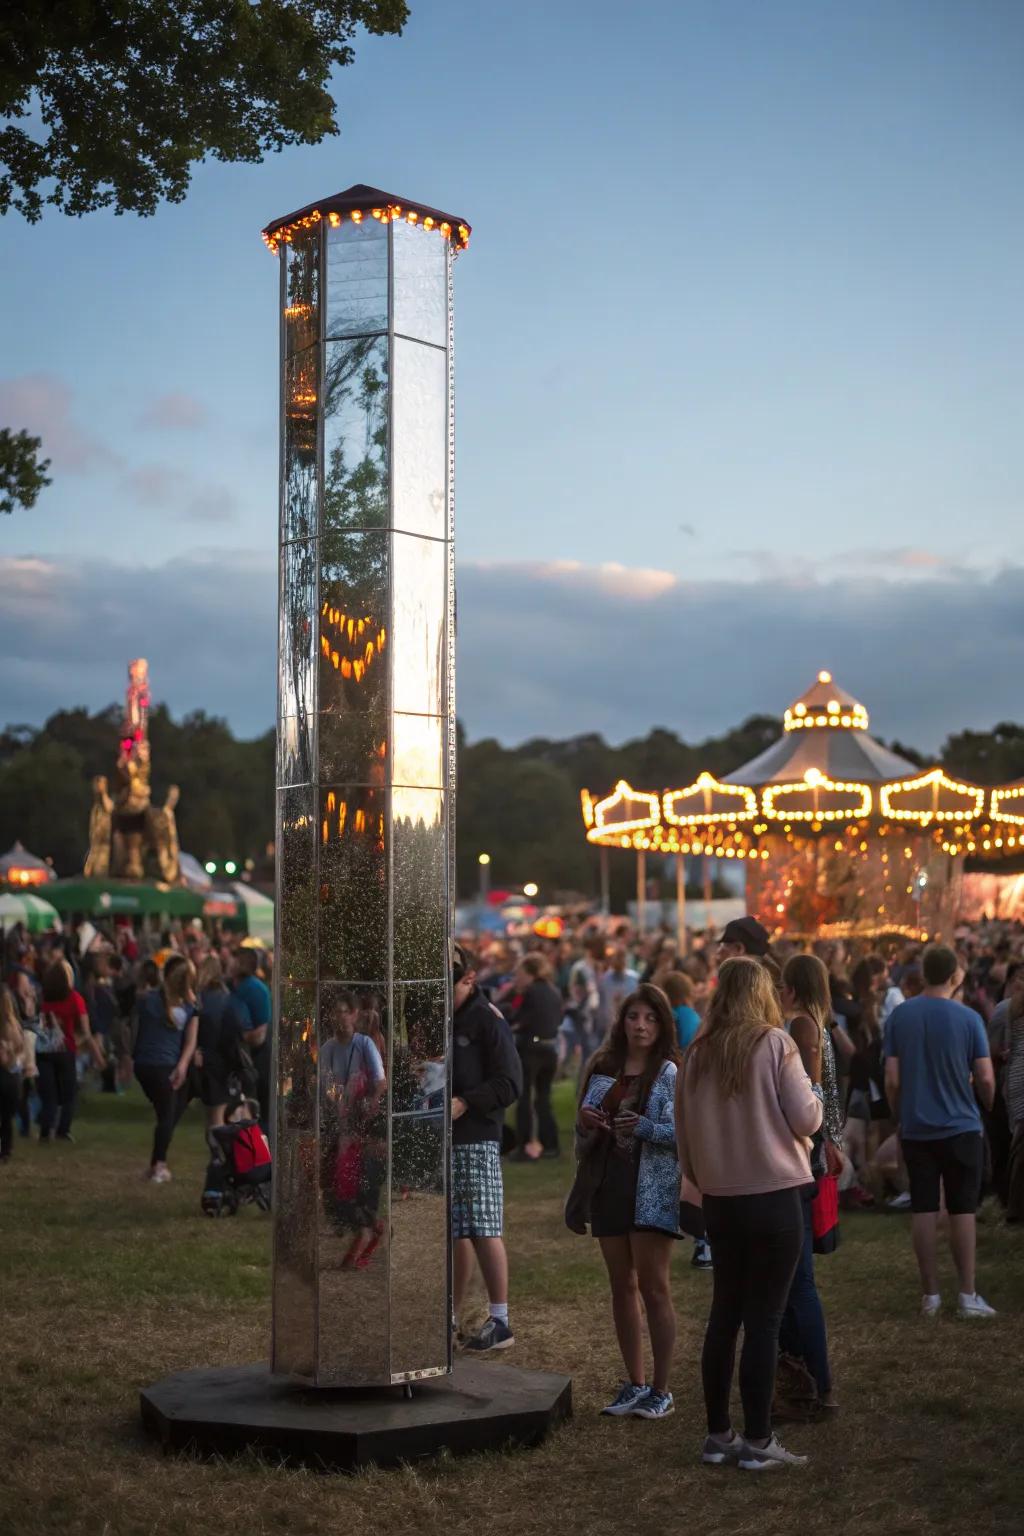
x=744 y=936
x=486 y=1079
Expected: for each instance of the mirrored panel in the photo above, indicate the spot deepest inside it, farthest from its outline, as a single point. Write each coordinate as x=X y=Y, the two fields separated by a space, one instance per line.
x=300 y=494
x=353 y=649
x=420 y=884
x=302 y=291
x=420 y=447
x=420 y=1302
x=353 y=927
x=296 y=853
x=419 y=1048
x=295 y=1184
x=295 y=750
x=421 y=283
x=418 y=623
x=352 y=1242
x=357 y=278
x=297 y=640
x=356 y=433
x=416 y=750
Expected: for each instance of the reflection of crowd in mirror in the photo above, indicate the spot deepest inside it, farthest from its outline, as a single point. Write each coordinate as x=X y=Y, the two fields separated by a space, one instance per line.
x=353 y=1126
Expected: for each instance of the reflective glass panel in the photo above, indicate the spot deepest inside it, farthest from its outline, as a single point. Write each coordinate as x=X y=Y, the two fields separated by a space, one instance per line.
x=420 y=445
x=300 y=490
x=356 y=433
x=357 y=278
x=296 y=660
x=296 y=852
x=295 y=1206
x=353 y=884
x=416 y=746
x=353 y=648
x=420 y=884
x=420 y=1305
x=419 y=625
x=352 y=1247
x=421 y=283
x=419 y=1048
x=302 y=291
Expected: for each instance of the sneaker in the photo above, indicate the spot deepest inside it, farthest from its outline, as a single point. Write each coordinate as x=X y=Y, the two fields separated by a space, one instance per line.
x=65 y=1136
x=701 y=1254
x=768 y=1458
x=630 y=1395
x=931 y=1306
x=899 y=1202
x=656 y=1405
x=717 y=1453
x=974 y=1306
x=493 y=1335
x=160 y=1176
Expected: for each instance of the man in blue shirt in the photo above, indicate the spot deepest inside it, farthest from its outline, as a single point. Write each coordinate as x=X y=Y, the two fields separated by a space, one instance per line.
x=937 y=1059
x=252 y=992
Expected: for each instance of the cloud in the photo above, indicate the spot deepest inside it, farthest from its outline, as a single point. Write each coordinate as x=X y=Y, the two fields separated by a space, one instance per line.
x=898 y=563
x=42 y=404
x=176 y=412
x=545 y=649
x=168 y=488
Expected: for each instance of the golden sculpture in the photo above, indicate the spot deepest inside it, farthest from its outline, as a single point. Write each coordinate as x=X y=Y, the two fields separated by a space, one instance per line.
x=126 y=832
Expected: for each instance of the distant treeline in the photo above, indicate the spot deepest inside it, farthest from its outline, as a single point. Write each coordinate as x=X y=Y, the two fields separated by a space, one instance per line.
x=518 y=804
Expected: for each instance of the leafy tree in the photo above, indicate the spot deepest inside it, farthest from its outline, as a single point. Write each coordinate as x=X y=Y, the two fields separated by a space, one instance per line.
x=130 y=94
x=22 y=473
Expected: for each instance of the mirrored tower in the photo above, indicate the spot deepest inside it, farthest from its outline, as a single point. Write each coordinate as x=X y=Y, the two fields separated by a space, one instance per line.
x=365 y=790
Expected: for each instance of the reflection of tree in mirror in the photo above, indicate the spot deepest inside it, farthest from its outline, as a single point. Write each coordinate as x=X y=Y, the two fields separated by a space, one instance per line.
x=302 y=292
x=356 y=416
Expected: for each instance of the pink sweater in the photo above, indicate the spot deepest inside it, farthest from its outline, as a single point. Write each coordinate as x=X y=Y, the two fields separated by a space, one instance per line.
x=756 y=1141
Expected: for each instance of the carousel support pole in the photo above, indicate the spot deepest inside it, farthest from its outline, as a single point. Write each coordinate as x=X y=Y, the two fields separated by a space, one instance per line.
x=681 y=903
x=641 y=890
x=606 y=900
x=706 y=872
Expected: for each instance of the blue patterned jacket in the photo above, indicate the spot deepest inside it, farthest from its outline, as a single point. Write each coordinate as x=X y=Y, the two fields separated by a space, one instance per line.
x=657 y=1184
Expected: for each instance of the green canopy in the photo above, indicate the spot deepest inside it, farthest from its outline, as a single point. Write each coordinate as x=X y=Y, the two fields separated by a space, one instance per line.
x=127 y=898
x=241 y=907
x=37 y=915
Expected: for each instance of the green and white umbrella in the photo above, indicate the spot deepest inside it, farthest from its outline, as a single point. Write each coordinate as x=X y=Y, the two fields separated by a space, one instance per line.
x=37 y=915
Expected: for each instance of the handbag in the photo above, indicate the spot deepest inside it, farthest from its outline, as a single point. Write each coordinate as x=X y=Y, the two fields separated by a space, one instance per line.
x=51 y=1035
x=825 y=1214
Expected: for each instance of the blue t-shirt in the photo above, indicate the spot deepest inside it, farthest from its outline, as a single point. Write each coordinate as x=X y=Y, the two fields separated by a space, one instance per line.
x=687 y=1024
x=936 y=1041
x=159 y=1038
x=255 y=994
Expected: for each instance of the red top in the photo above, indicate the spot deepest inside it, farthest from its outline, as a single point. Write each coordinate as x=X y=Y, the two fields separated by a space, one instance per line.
x=68 y=1013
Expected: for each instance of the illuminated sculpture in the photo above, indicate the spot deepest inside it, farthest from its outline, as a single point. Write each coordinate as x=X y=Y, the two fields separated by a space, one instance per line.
x=365 y=774
x=126 y=831
x=837 y=834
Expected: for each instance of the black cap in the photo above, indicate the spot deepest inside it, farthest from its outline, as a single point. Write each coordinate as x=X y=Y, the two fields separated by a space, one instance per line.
x=748 y=932
x=461 y=962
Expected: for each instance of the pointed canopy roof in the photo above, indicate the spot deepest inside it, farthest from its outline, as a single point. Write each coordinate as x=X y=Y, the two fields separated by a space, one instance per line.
x=362 y=201
x=826 y=729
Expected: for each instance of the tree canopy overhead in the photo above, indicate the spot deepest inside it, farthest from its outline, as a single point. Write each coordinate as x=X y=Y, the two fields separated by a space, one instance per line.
x=22 y=472
x=110 y=103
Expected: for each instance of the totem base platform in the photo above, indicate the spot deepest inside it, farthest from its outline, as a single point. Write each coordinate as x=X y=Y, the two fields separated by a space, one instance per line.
x=484 y=1406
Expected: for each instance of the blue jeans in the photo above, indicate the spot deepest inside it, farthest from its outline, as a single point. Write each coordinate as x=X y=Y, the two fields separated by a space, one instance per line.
x=803 y=1323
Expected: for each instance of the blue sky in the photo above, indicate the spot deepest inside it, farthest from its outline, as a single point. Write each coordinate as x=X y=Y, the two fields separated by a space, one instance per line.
x=741 y=315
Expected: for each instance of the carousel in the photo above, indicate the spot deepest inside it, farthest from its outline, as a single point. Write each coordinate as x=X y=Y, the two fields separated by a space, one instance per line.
x=837 y=835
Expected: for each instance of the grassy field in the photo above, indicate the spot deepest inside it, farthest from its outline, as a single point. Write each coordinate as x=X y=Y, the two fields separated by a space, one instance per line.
x=107 y=1282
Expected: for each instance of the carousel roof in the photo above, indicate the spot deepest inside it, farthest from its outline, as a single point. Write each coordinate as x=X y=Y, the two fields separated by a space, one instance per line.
x=826 y=732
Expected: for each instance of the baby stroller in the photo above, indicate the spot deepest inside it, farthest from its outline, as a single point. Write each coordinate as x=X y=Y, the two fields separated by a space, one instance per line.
x=239 y=1169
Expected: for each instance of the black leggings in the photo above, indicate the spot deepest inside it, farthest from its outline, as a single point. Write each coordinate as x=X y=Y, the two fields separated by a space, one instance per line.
x=755 y=1243
x=58 y=1085
x=10 y=1093
x=539 y=1060
x=168 y=1103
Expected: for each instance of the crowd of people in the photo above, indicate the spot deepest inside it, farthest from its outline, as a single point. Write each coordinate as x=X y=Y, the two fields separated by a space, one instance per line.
x=741 y=1094
x=737 y=1095
x=185 y=1012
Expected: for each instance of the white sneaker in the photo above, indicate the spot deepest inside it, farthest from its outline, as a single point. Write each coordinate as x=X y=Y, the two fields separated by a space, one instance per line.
x=768 y=1458
x=974 y=1306
x=899 y=1202
x=160 y=1176
x=931 y=1306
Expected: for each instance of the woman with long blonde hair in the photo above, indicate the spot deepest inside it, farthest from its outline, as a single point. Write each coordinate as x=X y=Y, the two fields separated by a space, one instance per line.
x=745 y=1109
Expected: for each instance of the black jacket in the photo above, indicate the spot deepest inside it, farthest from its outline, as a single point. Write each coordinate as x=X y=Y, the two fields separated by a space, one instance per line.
x=539 y=1014
x=486 y=1071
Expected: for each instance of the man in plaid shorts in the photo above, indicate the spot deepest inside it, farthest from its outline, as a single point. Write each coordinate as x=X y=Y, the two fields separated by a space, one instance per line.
x=486 y=1079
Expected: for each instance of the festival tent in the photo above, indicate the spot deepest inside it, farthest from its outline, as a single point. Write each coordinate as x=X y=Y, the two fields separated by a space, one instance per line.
x=37 y=915
x=123 y=898
x=19 y=867
x=240 y=906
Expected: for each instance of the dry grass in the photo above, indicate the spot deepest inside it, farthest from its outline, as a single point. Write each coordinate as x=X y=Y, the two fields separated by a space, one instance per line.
x=108 y=1283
